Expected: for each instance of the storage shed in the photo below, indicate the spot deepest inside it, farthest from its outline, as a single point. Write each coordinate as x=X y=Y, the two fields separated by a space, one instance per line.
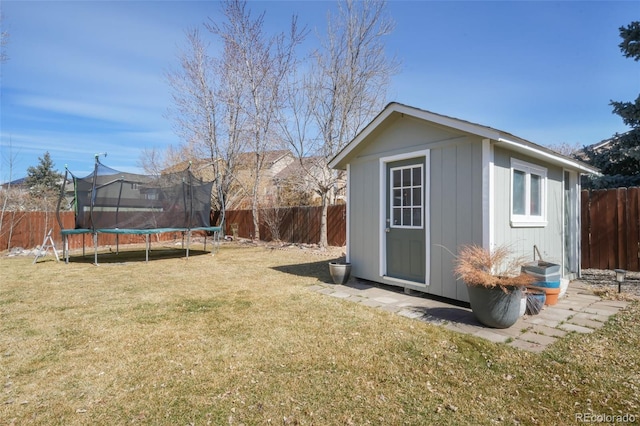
x=420 y=184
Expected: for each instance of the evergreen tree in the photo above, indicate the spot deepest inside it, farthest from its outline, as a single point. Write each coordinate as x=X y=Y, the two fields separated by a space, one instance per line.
x=619 y=159
x=43 y=178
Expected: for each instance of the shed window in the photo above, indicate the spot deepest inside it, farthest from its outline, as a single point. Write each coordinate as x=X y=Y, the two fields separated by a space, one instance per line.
x=528 y=194
x=407 y=197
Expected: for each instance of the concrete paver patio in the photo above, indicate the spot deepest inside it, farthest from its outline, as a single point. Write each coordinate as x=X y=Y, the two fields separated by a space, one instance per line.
x=578 y=311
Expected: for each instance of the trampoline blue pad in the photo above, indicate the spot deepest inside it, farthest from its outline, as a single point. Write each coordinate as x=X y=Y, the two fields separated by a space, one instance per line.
x=139 y=231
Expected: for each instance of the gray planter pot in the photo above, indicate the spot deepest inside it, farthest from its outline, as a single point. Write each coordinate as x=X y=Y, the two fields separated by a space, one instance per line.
x=495 y=308
x=340 y=272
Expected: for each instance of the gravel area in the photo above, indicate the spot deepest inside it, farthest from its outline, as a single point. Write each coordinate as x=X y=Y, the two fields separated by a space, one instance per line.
x=604 y=283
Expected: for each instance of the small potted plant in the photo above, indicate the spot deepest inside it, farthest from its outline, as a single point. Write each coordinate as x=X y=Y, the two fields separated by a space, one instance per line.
x=340 y=271
x=494 y=281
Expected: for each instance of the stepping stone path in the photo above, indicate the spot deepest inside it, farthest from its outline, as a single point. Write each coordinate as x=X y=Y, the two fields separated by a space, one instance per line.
x=578 y=311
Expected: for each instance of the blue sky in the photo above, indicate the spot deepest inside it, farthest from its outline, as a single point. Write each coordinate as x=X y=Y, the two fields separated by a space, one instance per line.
x=86 y=77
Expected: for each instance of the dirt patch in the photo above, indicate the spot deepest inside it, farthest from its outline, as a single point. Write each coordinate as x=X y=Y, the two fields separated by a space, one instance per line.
x=330 y=252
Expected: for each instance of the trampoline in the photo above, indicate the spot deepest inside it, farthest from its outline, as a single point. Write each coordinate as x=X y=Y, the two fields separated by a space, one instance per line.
x=109 y=201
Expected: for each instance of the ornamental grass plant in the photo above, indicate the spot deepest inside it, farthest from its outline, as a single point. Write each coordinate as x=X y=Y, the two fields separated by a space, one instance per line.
x=498 y=267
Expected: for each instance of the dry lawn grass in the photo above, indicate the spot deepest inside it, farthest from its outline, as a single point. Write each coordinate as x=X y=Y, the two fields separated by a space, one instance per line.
x=238 y=338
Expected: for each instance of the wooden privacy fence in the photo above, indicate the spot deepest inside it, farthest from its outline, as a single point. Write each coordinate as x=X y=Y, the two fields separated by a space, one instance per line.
x=294 y=224
x=611 y=229
x=28 y=230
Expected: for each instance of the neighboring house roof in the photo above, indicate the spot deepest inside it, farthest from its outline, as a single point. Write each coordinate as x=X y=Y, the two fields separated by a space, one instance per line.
x=16 y=182
x=183 y=165
x=246 y=159
x=21 y=183
x=600 y=146
x=297 y=169
x=501 y=138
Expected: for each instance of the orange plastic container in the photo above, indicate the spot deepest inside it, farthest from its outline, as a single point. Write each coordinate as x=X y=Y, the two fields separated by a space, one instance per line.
x=550 y=293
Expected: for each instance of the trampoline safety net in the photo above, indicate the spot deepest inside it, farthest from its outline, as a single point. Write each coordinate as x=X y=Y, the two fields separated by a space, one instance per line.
x=111 y=199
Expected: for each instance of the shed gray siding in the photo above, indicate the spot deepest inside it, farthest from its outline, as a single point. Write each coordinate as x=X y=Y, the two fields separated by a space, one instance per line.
x=548 y=239
x=455 y=198
x=456 y=210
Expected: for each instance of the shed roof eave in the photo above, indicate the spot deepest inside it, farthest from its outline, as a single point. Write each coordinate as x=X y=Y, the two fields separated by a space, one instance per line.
x=567 y=162
x=337 y=161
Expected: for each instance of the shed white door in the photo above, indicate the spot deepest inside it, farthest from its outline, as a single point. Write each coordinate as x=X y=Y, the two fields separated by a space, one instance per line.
x=405 y=217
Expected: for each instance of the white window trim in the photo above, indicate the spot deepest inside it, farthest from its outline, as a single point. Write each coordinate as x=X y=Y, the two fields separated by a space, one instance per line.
x=527 y=220
x=391 y=206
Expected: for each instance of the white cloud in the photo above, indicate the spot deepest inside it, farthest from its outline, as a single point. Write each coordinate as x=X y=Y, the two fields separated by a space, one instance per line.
x=113 y=112
x=77 y=150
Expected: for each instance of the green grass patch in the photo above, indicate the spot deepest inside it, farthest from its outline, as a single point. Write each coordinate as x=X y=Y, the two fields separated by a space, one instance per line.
x=238 y=338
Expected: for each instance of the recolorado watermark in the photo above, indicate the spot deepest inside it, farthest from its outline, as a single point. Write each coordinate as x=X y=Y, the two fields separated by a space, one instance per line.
x=605 y=418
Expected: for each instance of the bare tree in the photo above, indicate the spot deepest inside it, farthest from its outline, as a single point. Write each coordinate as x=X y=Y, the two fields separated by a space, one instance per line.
x=206 y=114
x=6 y=191
x=152 y=161
x=232 y=105
x=273 y=215
x=566 y=148
x=258 y=65
x=344 y=90
x=8 y=195
x=39 y=192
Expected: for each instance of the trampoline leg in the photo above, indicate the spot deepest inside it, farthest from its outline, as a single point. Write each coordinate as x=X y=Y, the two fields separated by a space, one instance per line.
x=188 y=242
x=83 y=247
x=147 y=251
x=65 y=248
x=95 y=248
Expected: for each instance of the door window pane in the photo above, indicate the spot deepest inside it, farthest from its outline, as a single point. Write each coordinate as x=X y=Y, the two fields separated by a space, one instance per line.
x=397 y=216
x=406 y=217
x=417 y=196
x=417 y=176
x=417 y=217
x=406 y=177
x=397 y=197
x=396 y=178
x=406 y=197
